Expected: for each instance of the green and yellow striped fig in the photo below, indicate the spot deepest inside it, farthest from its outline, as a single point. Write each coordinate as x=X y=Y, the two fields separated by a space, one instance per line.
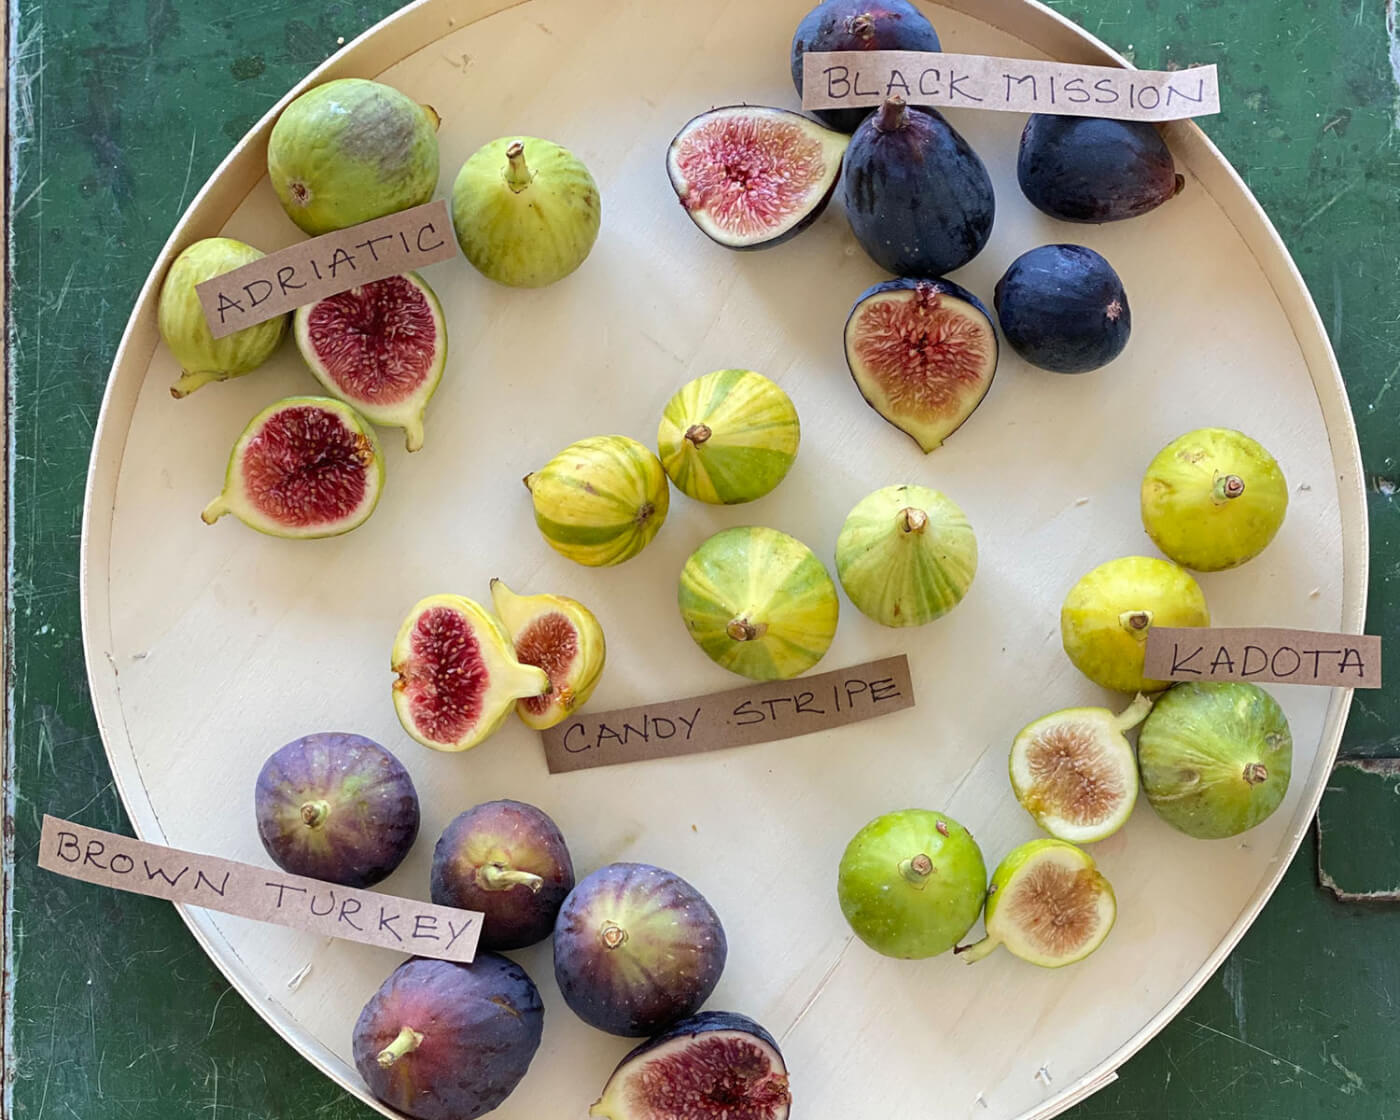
x=562 y=637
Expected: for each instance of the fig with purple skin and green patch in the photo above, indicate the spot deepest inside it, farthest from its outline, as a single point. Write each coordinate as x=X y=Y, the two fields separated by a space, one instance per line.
x=1062 y=308
x=559 y=635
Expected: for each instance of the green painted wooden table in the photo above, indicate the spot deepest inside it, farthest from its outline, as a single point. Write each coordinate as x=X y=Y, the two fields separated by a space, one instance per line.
x=119 y=111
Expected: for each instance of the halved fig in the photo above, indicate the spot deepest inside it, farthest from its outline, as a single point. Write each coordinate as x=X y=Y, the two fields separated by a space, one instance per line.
x=1048 y=904
x=563 y=638
x=1075 y=772
x=303 y=467
x=380 y=347
x=457 y=675
x=716 y=1065
x=923 y=354
x=750 y=176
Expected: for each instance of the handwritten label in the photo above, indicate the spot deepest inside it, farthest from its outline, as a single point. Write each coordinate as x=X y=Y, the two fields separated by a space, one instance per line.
x=844 y=79
x=1264 y=654
x=334 y=262
x=225 y=885
x=759 y=713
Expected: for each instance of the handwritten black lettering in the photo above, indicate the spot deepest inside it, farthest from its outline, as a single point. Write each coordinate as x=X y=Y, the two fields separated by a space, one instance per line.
x=853 y=689
x=316 y=268
x=1352 y=659
x=628 y=731
x=130 y=863
x=200 y=877
x=883 y=689
x=427 y=922
x=864 y=92
x=253 y=300
x=689 y=723
x=282 y=889
x=94 y=849
x=1105 y=85
x=606 y=732
x=1051 y=80
x=896 y=81
x=1245 y=670
x=805 y=699
x=284 y=278
x=346 y=911
x=1281 y=651
x=657 y=721
x=328 y=910
x=341 y=258
x=954 y=78
x=225 y=305
x=427 y=229
x=371 y=242
x=68 y=841
x=772 y=704
x=837 y=76
x=1010 y=78
x=587 y=746
x=1075 y=91
x=387 y=921
x=153 y=873
x=1222 y=657
x=1180 y=666
x=404 y=239
x=1156 y=97
x=1316 y=655
x=923 y=83
x=455 y=932
x=1173 y=91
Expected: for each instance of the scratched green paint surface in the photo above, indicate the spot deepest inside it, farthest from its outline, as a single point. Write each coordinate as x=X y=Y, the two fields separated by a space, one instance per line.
x=120 y=111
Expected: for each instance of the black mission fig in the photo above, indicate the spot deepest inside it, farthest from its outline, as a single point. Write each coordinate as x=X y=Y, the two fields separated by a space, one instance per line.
x=1063 y=308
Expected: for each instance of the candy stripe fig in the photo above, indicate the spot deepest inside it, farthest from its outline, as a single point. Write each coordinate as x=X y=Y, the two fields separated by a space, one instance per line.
x=562 y=637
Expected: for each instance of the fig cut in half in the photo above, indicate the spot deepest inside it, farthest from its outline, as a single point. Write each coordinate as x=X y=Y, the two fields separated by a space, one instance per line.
x=1075 y=773
x=562 y=637
x=750 y=176
x=303 y=467
x=457 y=674
x=716 y=1065
x=923 y=354
x=380 y=347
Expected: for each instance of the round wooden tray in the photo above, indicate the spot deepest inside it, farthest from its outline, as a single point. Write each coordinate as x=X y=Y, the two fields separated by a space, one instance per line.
x=207 y=648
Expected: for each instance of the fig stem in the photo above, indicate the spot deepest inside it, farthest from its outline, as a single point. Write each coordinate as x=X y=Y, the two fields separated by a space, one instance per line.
x=413 y=433
x=518 y=174
x=916 y=870
x=613 y=935
x=698 y=433
x=192 y=379
x=973 y=953
x=214 y=510
x=499 y=877
x=314 y=813
x=862 y=26
x=1228 y=486
x=893 y=115
x=1134 y=713
x=1256 y=773
x=434 y=117
x=742 y=630
x=911 y=520
x=1136 y=623
x=408 y=1040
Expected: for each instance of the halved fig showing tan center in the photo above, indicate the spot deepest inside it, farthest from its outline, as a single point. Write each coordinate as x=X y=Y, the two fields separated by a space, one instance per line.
x=380 y=347
x=457 y=675
x=1075 y=773
x=303 y=467
x=751 y=176
x=562 y=637
x=923 y=354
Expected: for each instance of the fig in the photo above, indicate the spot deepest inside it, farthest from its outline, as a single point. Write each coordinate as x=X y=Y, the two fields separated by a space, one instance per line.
x=1212 y=499
x=923 y=354
x=1063 y=308
x=759 y=603
x=911 y=883
x=526 y=211
x=919 y=198
x=337 y=807
x=180 y=317
x=728 y=437
x=303 y=467
x=509 y=861
x=750 y=177
x=906 y=555
x=1092 y=169
x=1075 y=773
x=563 y=638
x=349 y=151
x=716 y=1065
x=859 y=25
x=1048 y=904
x=1106 y=616
x=457 y=676
x=600 y=501
x=446 y=1041
x=637 y=948
x=1216 y=757
x=380 y=347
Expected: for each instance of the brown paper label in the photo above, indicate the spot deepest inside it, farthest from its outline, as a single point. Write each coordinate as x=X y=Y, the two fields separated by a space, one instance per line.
x=334 y=262
x=225 y=885
x=845 y=79
x=1264 y=654
x=758 y=713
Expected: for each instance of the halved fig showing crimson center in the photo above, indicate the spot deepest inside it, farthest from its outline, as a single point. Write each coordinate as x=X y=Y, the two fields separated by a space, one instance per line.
x=559 y=635
x=751 y=176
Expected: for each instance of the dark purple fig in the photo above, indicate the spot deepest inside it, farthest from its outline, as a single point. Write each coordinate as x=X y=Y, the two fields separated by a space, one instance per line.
x=1063 y=308
x=918 y=197
x=508 y=860
x=751 y=177
x=336 y=807
x=923 y=354
x=713 y=1066
x=448 y=1041
x=859 y=25
x=636 y=948
x=1090 y=169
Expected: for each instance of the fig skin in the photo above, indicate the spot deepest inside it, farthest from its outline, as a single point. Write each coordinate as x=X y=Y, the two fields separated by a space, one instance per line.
x=441 y=1040
x=637 y=948
x=508 y=860
x=532 y=619
x=1063 y=309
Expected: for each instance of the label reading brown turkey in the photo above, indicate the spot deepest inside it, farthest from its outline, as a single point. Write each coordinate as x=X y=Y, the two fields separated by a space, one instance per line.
x=757 y=713
x=325 y=265
x=1264 y=654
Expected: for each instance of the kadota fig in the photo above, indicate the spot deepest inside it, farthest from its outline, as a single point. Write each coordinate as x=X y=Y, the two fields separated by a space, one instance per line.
x=1216 y=757
x=303 y=467
x=380 y=347
x=1063 y=308
x=562 y=637
x=906 y=555
x=526 y=211
x=457 y=677
x=180 y=316
x=1075 y=772
x=601 y=500
x=728 y=437
x=1092 y=169
x=759 y=603
x=1213 y=498
x=349 y=151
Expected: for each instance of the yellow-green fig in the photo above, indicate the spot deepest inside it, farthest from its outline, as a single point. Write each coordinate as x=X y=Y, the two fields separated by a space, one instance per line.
x=562 y=637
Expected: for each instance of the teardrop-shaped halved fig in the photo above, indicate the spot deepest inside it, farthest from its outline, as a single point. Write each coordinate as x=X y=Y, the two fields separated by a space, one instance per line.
x=923 y=354
x=457 y=674
x=303 y=467
x=562 y=637
x=380 y=347
x=750 y=176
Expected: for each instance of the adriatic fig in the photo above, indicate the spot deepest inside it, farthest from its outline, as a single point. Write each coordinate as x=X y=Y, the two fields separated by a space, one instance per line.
x=1063 y=308
x=562 y=637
